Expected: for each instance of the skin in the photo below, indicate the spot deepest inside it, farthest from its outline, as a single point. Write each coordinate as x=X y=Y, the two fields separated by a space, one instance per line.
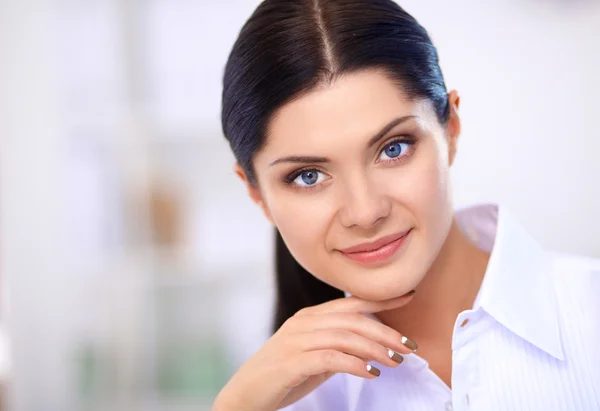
x=361 y=195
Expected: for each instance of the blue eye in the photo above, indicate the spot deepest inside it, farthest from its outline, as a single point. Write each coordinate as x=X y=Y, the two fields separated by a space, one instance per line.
x=308 y=178
x=394 y=149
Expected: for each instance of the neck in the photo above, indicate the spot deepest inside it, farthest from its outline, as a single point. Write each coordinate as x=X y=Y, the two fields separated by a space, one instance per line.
x=449 y=287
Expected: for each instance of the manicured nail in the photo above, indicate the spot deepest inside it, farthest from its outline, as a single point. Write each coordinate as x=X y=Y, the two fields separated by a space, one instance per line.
x=395 y=356
x=409 y=343
x=372 y=370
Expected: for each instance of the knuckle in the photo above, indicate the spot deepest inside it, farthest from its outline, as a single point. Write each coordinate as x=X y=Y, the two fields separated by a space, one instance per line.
x=302 y=311
x=328 y=358
x=287 y=323
x=290 y=323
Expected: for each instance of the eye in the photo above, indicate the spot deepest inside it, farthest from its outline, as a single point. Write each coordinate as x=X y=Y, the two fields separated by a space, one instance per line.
x=394 y=149
x=309 y=178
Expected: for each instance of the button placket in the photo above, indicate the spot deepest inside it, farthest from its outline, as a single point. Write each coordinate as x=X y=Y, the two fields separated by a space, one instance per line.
x=465 y=372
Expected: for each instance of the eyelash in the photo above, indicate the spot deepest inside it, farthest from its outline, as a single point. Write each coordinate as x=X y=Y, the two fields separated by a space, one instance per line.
x=294 y=175
x=411 y=141
x=289 y=179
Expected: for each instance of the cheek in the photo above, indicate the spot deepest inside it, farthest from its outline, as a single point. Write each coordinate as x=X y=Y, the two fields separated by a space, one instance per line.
x=424 y=183
x=303 y=220
x=424 y=189
x=436 y=199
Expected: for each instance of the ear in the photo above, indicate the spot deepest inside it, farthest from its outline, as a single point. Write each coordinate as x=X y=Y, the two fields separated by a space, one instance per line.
x=253 y=191
x=453 y=127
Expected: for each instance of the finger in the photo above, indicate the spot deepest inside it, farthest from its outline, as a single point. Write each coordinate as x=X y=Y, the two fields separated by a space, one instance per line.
x=358 y=324
x=357 y=305
x=347 y=342
x=317 y=362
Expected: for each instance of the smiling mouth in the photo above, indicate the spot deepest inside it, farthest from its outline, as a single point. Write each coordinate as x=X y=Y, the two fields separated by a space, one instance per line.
x=377 y=251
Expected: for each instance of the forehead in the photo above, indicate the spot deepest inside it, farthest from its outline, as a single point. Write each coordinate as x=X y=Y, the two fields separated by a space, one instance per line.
x=355 y=106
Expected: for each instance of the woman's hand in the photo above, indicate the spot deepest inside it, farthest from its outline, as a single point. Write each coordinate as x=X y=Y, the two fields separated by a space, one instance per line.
x=310 y=347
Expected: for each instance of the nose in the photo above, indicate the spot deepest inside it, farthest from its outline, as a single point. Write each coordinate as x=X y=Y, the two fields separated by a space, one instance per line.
x=364 y=204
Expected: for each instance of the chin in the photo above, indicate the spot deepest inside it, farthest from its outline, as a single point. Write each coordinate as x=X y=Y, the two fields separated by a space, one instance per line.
x=378 y=294
x=387 y=283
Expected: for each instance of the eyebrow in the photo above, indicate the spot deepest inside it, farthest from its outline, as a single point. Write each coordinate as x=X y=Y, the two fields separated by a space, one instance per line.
x=372 y=141
x=387 y=129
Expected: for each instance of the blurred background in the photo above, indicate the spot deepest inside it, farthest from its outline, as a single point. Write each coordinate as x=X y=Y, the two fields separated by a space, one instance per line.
x=135 y=274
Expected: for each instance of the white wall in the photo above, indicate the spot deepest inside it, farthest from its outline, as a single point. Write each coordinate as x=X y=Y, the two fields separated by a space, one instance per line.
x=32 y=243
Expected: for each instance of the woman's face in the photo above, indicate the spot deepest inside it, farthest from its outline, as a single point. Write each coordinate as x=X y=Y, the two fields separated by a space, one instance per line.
x=356 y=178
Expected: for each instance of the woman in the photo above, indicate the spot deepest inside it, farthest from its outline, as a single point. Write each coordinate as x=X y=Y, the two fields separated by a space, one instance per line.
x=344 y=134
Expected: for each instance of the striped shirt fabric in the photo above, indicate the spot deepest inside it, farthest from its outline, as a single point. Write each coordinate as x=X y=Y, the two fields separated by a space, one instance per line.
x=531 y=342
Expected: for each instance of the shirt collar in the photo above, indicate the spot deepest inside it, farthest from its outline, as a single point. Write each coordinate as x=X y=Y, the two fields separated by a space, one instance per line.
x=517 y=289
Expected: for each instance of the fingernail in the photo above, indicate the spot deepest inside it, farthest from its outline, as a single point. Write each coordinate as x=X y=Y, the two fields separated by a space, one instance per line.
x=409 y=343
x=372 y=370
x=395 y=356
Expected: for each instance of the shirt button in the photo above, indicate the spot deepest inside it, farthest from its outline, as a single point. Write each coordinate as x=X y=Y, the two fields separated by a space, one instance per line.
x=449 y=406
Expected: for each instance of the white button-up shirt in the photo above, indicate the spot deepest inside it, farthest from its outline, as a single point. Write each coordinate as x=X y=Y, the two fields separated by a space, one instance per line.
x=530 y=342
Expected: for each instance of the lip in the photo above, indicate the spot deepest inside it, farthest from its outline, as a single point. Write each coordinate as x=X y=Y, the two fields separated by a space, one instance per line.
x=377 y=251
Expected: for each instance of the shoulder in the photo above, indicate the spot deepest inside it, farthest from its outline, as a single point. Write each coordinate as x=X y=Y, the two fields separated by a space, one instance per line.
x=577 y=273
x=577 y=289
x=329 y=396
